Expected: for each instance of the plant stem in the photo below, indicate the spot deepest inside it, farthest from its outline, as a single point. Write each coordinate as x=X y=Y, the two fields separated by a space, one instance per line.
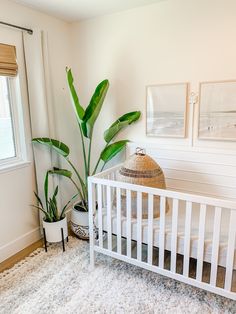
x=103 y=166
x=84 y=153
x=78 y=189
x=89 y=155
x=84 y=188
x=95 y=169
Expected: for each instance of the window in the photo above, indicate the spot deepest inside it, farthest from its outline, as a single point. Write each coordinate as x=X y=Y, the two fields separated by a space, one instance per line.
x=7 y=138
x=12 y=129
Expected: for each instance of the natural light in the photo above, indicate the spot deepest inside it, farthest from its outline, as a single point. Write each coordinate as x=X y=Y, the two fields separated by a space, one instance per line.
x=7 y=145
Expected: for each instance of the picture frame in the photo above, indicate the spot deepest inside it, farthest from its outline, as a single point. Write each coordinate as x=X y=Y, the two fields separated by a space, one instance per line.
x=217 y=110
x=166 y=110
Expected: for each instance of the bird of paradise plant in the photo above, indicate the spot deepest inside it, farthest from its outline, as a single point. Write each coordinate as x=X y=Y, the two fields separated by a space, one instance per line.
x=86 y=119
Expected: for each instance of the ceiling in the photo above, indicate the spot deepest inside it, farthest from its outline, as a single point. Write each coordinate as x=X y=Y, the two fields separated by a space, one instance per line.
x=75 y=10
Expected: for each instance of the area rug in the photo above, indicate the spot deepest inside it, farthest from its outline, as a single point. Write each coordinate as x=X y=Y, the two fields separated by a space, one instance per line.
x=57 y=282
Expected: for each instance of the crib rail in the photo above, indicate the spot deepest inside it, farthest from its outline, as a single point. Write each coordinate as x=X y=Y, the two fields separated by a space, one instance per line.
x=127 y=236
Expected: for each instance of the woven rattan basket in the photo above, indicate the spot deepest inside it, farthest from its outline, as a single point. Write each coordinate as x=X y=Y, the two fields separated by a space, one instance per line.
x=143 y=170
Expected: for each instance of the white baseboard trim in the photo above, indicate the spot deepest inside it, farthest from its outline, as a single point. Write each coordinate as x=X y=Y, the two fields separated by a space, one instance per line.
x=19 y=244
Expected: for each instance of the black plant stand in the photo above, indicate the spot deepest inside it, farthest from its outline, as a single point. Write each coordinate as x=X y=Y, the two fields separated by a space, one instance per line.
x=62 y=239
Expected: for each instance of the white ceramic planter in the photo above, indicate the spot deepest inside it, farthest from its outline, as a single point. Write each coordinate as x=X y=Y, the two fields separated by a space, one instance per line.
x=80 y=223
x=53 y=230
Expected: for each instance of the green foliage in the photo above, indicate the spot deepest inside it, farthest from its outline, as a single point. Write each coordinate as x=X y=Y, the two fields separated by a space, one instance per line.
x=86 y=121
x=50 y=209
x=59 y=147
x=61 y=172
x=94 y=108
x=112 y=150
x=78 y=108
x=120 y=124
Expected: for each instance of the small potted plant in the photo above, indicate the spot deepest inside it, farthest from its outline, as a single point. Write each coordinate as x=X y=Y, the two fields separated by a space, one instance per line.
x=54 y=220
x=86 y=121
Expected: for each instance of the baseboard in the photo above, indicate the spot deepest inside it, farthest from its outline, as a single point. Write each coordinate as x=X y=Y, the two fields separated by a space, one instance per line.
x=19 y=244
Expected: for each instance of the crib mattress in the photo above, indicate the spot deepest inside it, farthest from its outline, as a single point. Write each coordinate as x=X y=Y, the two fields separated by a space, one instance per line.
x=180 y=236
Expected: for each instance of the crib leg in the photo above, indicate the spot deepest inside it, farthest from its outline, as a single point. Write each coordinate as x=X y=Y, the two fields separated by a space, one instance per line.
x=91 y=259
x=45 y=240
x=62 y=238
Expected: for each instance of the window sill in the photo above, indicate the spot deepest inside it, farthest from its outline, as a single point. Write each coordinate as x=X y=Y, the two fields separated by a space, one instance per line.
x=14 y=166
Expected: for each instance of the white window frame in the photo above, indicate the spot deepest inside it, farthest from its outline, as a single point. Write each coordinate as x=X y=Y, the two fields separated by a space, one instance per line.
x=17 y=115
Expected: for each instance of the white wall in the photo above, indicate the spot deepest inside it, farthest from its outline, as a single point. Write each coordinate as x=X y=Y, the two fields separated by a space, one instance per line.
x=19 y=224
x=171 y=41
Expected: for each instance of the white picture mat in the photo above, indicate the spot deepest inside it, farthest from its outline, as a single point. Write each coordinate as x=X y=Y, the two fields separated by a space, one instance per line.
x=166 y=110
x=217 y=114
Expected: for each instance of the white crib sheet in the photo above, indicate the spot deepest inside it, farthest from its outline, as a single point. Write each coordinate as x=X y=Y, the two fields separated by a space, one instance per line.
x=180 y=237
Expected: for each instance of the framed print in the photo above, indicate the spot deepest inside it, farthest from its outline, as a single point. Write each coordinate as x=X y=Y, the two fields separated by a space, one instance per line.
x=166 y=110
x=217 y=111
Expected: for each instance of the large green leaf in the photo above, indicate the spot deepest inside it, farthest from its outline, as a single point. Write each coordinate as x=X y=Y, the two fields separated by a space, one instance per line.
x=120 y=124
x=78 y=108
x=58 y=146
x=94 y=108
x=112 y=150
x=61 y=172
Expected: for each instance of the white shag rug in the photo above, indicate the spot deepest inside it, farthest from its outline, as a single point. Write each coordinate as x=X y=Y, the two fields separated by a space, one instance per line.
x=57 y=282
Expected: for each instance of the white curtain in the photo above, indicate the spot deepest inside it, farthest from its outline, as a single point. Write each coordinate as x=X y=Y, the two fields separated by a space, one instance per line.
x=40 y=99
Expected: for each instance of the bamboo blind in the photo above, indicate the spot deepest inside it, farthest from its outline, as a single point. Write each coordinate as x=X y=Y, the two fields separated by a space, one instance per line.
x=8 y=64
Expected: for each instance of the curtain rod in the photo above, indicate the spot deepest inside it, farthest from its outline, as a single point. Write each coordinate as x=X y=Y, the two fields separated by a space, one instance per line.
x=28 y=30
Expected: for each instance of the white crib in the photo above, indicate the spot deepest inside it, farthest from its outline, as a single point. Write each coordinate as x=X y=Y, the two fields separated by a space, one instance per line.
x=198 y=227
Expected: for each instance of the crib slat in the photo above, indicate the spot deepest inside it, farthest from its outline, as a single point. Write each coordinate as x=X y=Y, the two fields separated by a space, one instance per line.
x=100 y=229
x=150 y=228
x=139 y=226
x=201 y=237
x=118 y=219
x=215 y=246
x=109 y=229
x=162 y=232
x=187 y=234
x=230 y=251
x=104 y=203
x=174 y=235
x=128 y=222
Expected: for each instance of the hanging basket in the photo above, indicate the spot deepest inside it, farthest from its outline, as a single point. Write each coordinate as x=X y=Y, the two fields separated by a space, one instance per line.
x=141 y=169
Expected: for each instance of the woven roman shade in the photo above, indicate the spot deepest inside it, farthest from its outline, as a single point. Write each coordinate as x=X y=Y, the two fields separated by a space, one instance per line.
x=8 y=64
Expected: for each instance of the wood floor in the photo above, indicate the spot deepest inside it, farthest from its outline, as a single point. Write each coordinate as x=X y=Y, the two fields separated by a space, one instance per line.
x=11 y=261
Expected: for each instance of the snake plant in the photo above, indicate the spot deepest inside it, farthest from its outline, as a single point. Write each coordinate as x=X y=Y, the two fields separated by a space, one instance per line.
x=86 y=119
x=50 y=209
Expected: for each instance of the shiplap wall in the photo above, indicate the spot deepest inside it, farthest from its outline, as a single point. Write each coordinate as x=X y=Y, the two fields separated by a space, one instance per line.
x=211 y=173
